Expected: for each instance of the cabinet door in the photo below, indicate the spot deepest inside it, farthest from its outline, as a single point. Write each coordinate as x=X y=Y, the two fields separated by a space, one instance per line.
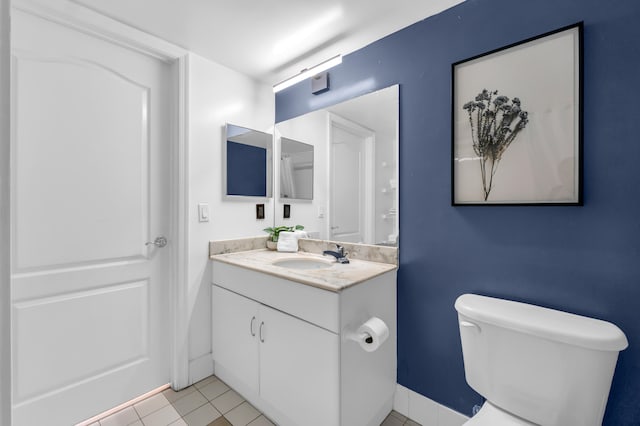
x=235 y=335
x=299 y=369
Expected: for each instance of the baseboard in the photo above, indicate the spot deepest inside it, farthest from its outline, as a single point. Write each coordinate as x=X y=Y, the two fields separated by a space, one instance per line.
x=200 y=368
x=424 y=410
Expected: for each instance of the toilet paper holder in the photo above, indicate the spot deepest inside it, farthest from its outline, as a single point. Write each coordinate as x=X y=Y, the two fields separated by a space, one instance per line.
x=370 y=335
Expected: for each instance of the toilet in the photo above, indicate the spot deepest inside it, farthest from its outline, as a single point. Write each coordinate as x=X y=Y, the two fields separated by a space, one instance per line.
x=536 y=366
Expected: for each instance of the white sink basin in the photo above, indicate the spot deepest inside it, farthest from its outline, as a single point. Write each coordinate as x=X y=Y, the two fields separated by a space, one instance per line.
x=303 y=263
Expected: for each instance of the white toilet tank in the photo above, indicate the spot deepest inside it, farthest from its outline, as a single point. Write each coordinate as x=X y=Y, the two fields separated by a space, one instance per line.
x=549 y=367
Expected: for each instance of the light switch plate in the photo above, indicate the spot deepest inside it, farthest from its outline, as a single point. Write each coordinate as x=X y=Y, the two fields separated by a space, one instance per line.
x=203 y=212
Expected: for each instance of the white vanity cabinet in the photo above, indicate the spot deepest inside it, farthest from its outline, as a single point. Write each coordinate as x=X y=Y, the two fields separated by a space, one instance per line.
x=289 y=363
x=236 y=321
x=283 y=346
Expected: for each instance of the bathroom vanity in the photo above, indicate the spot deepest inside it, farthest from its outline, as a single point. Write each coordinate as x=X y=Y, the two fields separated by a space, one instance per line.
x=281 y=332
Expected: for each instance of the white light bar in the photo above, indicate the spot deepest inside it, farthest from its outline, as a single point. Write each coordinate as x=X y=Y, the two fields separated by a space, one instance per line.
x=306 y=73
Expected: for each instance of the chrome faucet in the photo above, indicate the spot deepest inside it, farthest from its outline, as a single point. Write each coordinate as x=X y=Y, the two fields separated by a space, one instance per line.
x=339 y=254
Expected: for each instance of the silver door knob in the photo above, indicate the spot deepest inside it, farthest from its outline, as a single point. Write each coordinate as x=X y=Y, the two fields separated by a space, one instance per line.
x=158 y=242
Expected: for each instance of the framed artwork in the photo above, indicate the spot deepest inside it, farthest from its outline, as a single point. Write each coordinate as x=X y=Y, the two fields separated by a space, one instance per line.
x=517 y=123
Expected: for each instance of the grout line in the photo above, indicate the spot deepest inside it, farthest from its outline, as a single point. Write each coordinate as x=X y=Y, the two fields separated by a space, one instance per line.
x=122 y=406
x=404 y=419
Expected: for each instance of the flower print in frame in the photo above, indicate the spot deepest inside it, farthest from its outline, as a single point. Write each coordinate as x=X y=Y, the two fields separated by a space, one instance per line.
x=517 y=123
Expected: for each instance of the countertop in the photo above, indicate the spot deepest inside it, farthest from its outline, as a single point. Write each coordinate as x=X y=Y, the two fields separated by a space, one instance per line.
x=335 y=278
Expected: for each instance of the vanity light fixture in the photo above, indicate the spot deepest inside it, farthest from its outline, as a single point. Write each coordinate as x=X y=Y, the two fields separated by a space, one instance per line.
x=308 y=72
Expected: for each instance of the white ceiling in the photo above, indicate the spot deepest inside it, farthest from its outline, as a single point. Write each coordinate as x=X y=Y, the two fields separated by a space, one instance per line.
x=269 y=40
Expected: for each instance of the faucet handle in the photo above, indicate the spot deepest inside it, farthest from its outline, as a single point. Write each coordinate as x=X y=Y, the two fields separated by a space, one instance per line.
x=340 y=249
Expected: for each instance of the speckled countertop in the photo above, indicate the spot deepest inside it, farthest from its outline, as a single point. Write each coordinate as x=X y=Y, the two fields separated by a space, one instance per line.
x=335 y=278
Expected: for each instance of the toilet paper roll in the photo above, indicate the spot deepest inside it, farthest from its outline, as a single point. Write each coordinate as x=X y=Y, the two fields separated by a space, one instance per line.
x=372 y=334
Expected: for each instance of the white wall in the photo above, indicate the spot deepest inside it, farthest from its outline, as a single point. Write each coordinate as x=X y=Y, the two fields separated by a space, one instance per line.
x=5 y=340
x=217 y=95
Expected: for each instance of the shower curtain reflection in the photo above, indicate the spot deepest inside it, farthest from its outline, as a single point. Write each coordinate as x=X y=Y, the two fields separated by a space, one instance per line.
x=288 y=189
x=296 y=170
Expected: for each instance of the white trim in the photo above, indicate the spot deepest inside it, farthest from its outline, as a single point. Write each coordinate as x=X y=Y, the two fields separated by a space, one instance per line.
x=425 y=411
x=85 y=20
x=179 y=288
x=369 y=171
x=200 y=368
x=5 y=282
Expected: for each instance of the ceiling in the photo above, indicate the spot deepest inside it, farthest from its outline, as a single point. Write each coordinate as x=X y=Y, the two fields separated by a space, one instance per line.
x=269 y=40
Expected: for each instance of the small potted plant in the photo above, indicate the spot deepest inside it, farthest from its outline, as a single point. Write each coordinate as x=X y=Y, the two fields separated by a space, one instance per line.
x=274 y=232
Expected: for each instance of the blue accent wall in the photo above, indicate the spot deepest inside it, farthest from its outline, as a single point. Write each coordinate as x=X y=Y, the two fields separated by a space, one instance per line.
x=246 y=170
x=584 y=260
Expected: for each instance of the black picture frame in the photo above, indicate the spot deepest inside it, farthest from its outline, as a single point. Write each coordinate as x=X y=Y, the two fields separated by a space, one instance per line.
x=516 y=123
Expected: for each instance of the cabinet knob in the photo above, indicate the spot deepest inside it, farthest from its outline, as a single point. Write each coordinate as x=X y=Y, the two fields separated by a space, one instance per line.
x=261 y=337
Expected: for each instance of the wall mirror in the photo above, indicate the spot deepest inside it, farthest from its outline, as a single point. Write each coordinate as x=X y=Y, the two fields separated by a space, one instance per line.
x=247 y=160
x=355 y=173
x=296 y=170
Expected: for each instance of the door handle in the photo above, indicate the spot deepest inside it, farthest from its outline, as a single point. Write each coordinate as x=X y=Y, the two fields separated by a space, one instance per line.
x=261 y=337
x=158 y=242
x=253 y=334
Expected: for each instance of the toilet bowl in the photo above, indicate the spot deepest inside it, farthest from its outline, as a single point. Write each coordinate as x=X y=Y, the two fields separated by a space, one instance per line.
x=536 y=366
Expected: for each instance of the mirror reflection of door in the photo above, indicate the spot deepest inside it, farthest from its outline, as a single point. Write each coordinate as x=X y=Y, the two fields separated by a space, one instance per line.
x=351 y=197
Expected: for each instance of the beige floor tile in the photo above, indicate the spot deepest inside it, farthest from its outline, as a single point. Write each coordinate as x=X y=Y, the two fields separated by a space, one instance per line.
x=172 y=396
x=227 y=401
x=214 y=389
x=392 y=421
x=138 y=423
x=162 y=417
x=242 y=415
x=220 y=422
x=151 y=404
x=261 y=421
x=202 y=416
x=398 y=415
x=410 y=422
x=204 y=382
x=179 y=422
x=189 y=403
x=121 y=418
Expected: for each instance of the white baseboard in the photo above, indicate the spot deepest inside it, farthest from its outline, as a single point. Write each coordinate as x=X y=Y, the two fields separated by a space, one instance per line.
x=200 y=368
x=424 y=410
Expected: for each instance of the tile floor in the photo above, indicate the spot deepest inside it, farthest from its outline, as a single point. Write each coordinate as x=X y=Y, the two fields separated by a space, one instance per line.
x=210 y=402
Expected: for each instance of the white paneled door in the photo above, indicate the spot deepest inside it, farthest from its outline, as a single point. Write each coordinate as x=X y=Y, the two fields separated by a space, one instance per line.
x=91 y=132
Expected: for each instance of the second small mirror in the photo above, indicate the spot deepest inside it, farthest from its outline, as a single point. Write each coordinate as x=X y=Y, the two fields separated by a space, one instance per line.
x=247 y=155
x=296 y=170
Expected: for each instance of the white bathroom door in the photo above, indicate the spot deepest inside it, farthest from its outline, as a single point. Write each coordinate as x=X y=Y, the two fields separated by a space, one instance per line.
x=351 y=182
x=91 y=130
